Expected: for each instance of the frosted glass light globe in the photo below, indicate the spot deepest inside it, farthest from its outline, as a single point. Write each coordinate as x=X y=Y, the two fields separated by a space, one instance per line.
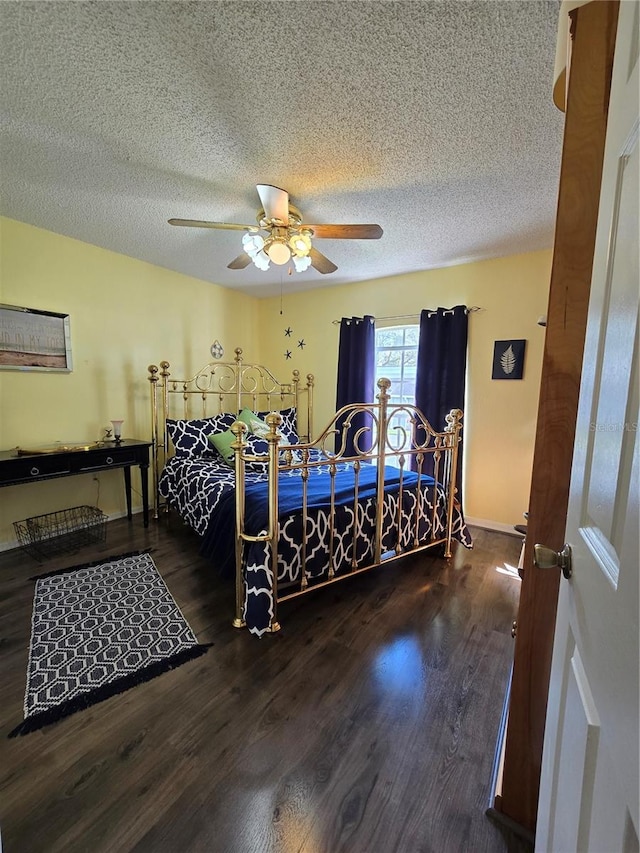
x=279 y=253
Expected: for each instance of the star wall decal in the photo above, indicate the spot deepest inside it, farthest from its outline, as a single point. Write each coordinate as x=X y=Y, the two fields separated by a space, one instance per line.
x=301 y=344
x=287 y=354
x=288 y=332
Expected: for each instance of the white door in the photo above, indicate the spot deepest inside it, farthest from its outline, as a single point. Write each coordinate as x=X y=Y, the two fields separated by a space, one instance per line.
x=589 y=784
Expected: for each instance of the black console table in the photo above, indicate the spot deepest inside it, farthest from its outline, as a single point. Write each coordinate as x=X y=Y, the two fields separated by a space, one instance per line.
x=31 y=467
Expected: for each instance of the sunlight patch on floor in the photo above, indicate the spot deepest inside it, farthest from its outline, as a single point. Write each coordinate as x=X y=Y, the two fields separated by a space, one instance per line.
x=510 y=571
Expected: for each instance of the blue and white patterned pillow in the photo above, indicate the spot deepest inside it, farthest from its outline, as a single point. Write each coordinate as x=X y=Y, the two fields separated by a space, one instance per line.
x=257 y=446
x=289 y=426
x=190 y=437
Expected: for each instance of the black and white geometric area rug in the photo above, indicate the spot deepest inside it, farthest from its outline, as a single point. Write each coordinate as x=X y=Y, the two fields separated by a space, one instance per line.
x=98 y=630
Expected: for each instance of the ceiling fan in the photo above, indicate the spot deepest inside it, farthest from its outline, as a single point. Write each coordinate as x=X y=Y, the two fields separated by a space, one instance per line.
x=287 y=238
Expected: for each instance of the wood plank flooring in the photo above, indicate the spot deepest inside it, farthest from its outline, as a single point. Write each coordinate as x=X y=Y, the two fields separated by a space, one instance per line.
x=367 y=725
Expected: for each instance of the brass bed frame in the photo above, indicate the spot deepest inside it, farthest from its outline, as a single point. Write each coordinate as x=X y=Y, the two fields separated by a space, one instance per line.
x=220 y=384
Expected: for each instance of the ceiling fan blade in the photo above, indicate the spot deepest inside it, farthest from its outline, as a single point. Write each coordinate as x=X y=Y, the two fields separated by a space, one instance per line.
x=199 y=223
x=275 y=202
x=243 y=260
x=346 y=232
x=321 y=263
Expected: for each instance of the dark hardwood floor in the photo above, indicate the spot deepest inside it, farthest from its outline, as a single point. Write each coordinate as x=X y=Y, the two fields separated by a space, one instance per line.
x=367 y=725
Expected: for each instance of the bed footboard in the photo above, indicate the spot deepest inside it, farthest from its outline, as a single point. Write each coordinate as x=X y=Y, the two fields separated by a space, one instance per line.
x=388 y=489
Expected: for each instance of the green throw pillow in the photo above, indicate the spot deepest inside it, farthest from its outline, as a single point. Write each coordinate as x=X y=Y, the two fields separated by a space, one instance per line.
x=222 y=442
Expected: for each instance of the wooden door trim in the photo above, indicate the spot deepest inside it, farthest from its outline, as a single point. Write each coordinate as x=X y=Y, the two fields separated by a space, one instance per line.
x=593 y=33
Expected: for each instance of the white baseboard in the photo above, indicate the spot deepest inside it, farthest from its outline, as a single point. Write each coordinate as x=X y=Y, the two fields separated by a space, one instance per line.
x=487 y=524
x=10 y=545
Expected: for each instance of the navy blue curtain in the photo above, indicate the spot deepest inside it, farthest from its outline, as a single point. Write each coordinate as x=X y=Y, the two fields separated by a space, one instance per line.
x=356 y=371
x=441 y=370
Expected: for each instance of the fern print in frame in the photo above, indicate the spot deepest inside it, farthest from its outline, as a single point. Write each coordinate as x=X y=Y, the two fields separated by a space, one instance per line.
x=508 y=359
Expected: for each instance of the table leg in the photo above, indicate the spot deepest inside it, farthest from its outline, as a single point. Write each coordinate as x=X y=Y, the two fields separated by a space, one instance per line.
x=127 y=488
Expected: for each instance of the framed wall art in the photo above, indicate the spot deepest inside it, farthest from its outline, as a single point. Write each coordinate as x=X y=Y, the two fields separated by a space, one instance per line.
x=34 y=340
x=508 y=359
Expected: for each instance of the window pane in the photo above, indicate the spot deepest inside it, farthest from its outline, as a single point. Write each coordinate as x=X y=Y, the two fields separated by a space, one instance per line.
x=389 y=337
x=411 y=336
x=388 y=359
x=410 y=359
x=408 y=391
x=392 y=372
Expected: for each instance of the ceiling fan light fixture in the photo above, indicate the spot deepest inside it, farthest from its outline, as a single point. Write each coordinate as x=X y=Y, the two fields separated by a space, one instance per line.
x=252 y=244
x=301 y=263
x=278 y=252
x=261 y=260
x=300 y=244
x=286 y=239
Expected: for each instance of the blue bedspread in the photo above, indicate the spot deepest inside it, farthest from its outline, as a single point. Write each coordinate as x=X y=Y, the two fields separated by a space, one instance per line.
x=202 y=490
x=219 y=540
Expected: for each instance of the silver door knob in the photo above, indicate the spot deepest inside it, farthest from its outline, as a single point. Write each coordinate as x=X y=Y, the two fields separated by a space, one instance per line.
x=547 y=558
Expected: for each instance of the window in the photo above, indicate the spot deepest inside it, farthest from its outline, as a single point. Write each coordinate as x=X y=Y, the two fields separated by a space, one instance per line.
x=396 y=359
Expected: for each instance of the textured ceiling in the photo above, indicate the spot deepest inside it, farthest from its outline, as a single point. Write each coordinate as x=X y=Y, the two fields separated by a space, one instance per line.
x=433 y=119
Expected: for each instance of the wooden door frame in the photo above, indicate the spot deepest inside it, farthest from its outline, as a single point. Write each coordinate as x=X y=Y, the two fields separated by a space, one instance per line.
x=593 y=32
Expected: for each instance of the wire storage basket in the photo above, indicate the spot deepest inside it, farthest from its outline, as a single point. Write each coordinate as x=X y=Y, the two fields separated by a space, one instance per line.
x=45 y=536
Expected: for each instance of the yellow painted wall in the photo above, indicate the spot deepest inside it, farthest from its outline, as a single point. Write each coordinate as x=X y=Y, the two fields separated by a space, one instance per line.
x=500 y=416
x=125 y=314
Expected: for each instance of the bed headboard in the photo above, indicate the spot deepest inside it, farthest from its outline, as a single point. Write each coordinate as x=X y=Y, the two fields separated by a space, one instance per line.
x=222 y=387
